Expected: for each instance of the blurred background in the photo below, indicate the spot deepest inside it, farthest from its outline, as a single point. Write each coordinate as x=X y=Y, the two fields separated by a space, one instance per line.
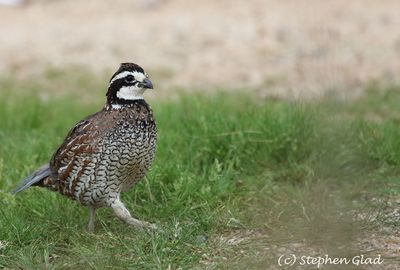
x=290 y=49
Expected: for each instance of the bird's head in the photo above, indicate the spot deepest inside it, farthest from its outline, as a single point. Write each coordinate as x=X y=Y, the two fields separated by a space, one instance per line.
x=127 y=85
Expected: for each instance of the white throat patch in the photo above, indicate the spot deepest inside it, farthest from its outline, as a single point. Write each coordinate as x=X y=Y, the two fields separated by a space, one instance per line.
x=130 y=93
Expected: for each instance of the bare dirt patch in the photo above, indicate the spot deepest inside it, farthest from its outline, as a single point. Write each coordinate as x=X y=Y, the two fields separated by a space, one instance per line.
x=303 y=48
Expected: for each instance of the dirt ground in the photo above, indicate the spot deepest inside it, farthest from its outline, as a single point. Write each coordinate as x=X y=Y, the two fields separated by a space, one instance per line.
x=302 y=48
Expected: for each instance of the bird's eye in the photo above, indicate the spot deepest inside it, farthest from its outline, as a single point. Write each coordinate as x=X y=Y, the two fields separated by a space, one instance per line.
x=129 y=78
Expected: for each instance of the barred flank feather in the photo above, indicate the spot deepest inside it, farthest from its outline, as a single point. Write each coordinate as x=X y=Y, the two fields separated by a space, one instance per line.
x=34 y=178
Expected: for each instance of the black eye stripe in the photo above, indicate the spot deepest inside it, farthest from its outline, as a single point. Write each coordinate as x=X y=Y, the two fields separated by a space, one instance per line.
x=129 y=78
x=123 y=82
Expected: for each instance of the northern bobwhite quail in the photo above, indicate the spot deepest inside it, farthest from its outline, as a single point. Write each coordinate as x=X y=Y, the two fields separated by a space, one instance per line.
x=107 y=152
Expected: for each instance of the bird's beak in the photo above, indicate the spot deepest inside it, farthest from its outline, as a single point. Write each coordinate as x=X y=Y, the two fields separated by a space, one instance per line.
x=147 y=84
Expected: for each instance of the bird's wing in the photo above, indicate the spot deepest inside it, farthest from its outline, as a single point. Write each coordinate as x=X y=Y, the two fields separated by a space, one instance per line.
x=75 y=155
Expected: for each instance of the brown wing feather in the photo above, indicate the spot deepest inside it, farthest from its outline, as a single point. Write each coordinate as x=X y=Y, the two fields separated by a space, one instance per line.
x=71 y=158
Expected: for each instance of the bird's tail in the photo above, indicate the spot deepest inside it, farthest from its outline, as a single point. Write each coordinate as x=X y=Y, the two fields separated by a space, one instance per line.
x=34 y=179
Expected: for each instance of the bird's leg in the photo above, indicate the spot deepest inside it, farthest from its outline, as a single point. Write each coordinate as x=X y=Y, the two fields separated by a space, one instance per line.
x=92 y=218
x=122 y=213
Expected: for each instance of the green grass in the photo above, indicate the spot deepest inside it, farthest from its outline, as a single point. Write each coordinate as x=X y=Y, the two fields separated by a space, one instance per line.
x=227 y=167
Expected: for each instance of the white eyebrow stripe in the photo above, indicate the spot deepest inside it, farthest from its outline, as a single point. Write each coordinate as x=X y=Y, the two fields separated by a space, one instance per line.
x=121 y=75
x=138 y=76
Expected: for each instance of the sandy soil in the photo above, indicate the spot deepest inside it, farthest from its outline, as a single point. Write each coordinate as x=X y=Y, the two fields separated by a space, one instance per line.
x=302 y=48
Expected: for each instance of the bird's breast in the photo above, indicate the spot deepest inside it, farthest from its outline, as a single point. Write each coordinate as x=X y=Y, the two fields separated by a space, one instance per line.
x=133 y=151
